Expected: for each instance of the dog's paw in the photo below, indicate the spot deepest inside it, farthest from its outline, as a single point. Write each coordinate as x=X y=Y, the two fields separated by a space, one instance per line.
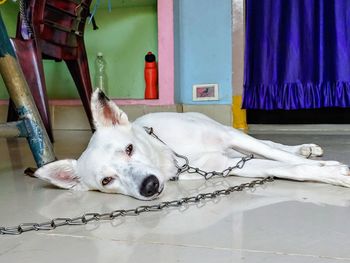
x=311 y=150
x=344 y=170
x=340 y=175
x=344 y=180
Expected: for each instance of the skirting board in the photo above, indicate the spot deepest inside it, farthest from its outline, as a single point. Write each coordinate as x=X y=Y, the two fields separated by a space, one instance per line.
x=74 y=118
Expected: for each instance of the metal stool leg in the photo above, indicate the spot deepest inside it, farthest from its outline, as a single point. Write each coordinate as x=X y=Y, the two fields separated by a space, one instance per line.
x=30 y=124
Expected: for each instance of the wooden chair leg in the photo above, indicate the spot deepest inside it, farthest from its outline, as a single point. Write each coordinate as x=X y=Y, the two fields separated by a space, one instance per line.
x=29 y=57
x=79 y=69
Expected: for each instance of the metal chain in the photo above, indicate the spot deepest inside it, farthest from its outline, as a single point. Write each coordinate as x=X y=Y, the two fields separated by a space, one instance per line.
x=195 y=170
x=207 y=175
x=88 y=217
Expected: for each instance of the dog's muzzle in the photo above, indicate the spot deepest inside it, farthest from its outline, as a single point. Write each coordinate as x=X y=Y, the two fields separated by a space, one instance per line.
x=149 y=186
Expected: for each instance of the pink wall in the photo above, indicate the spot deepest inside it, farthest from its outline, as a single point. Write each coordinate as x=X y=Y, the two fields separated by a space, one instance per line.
x=165 y=61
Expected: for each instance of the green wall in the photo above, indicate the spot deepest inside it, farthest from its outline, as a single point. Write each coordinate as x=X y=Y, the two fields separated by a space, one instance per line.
x=8 y=13
x=124 y=36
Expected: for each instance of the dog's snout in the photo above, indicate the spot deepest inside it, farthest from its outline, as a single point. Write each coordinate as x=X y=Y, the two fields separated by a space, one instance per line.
x=149 y=186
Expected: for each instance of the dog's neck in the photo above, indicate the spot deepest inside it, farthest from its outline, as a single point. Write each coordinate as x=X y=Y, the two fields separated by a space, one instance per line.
x=164 y=154
x=179 y=160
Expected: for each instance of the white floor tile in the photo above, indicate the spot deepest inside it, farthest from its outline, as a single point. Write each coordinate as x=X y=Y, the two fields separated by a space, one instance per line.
x=281 y=222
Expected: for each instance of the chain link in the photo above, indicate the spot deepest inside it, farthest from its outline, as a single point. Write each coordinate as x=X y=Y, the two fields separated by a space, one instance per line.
x=89 y=217
x=207 y=175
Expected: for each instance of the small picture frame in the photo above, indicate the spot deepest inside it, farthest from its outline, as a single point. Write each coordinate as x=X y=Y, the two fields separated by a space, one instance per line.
x=204 y=92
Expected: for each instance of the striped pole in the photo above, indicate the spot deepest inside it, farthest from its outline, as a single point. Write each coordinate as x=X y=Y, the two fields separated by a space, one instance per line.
x=18 y=89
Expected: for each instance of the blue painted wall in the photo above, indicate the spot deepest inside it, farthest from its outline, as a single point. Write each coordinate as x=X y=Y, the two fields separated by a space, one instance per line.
x=203 y=48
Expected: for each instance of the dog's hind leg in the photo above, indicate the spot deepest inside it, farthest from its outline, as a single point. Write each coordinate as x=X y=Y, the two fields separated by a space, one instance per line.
x=242 y=142
x=306 y=150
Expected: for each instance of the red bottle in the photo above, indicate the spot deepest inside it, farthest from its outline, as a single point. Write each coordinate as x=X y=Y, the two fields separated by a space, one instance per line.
x=151 y=77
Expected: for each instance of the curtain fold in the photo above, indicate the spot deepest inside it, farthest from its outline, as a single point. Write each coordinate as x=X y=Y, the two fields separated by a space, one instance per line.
x=297 y=54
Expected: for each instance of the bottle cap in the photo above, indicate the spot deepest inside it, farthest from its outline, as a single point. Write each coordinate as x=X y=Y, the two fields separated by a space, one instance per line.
x=150 y=57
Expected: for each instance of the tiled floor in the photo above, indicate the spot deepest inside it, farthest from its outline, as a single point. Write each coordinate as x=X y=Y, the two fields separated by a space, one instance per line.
x=282 y=222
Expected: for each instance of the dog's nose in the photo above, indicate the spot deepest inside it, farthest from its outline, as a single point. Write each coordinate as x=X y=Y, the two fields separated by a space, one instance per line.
x=149 y=186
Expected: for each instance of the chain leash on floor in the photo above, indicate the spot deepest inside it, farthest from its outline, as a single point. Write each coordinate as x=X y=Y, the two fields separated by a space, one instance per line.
x=88 y=217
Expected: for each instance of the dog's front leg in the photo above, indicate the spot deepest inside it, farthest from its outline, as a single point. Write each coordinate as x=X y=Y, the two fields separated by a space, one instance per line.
x=331 y=174
x=337 y=174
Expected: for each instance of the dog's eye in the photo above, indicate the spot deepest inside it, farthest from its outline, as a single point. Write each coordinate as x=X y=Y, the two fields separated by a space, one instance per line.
x=129 y=149
x=107 y=180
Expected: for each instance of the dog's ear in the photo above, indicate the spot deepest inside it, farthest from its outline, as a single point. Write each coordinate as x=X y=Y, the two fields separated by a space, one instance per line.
x=61 y=173
x=105 y=112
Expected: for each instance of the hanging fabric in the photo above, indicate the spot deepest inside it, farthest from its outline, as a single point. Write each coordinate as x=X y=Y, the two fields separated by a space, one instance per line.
x=297 y=54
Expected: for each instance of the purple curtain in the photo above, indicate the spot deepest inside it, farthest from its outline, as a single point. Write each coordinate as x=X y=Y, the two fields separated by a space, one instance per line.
x=297 y=54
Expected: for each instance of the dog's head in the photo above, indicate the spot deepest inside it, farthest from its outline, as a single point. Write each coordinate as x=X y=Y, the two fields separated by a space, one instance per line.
x=120 y=158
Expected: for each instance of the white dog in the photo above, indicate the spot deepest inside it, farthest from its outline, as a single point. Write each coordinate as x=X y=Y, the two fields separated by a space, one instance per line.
x=123 y=158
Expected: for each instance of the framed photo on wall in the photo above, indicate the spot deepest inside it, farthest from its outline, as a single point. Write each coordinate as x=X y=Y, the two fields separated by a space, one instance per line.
x=205 y=92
